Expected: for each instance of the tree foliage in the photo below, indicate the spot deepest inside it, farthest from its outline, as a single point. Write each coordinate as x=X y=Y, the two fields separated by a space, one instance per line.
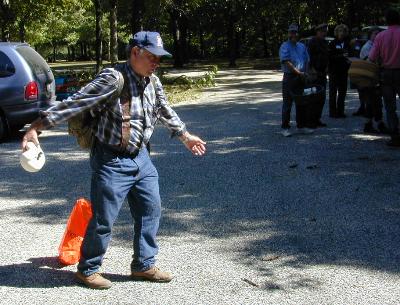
x=190 y=28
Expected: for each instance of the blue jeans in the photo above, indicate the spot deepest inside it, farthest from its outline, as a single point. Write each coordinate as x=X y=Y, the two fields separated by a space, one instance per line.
x=390 y=90
x=291 y=84
x=115 y=177
x=337 y=93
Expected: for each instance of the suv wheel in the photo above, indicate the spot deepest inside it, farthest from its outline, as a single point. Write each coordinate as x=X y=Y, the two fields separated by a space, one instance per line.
x=3 y=127
x=16 y=128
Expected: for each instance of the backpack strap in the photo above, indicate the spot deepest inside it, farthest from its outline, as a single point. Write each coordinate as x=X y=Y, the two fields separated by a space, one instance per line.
x=125 y=101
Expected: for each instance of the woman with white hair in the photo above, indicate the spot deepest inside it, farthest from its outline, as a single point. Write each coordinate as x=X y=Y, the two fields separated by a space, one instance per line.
x=338 y=71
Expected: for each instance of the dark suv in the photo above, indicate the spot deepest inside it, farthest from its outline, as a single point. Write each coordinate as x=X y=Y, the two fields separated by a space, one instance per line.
x=26 y=86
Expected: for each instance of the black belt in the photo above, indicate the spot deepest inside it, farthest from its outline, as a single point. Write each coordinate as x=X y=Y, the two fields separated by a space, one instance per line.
x=120 y=151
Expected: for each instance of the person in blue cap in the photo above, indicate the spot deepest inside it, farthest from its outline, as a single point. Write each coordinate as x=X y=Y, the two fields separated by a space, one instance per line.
x=295 y=59
x=120 y=162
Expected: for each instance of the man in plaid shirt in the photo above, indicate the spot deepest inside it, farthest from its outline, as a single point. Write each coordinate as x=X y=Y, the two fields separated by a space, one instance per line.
x=121 y=168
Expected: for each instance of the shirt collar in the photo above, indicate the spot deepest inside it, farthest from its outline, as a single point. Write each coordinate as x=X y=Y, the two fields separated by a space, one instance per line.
x=140 y=80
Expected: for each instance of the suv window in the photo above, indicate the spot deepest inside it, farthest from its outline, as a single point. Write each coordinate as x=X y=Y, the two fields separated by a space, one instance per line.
x=7 y=68
x=34 y=60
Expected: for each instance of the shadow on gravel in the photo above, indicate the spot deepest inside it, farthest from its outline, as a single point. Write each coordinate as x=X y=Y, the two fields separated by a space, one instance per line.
x=43 y=272
x=39 y=272
x=327 y=199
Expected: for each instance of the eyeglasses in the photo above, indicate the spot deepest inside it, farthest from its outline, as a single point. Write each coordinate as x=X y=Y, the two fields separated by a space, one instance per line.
x=151 y=57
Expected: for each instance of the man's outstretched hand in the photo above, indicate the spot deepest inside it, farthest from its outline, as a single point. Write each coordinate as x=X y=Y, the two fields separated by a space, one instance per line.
x=31 y=135
x=193 y=143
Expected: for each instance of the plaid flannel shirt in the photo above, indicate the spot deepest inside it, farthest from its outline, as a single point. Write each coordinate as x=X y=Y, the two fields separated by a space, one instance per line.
x=148 y=105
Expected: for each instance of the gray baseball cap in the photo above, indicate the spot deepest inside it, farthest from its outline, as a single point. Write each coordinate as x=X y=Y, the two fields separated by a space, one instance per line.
x=293 y=28
x=322 y=27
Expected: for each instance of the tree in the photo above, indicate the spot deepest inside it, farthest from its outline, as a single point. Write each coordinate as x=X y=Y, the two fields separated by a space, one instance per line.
x=113 y=32
x=7 y=17
x=192 y=28
x=99 y=34
x=137 y=15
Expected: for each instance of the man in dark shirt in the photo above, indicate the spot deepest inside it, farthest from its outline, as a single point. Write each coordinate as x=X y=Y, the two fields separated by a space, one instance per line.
x=338 y=71
x=319 y=59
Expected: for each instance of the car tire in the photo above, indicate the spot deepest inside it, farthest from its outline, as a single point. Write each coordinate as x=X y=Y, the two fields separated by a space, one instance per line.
x=16 y=128
x=3 y=128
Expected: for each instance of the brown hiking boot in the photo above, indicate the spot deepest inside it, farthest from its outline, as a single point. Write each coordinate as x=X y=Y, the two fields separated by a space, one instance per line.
x=94 y=281
x=153 y=275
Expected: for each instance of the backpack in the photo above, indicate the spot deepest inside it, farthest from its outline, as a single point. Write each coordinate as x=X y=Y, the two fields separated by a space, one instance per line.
x=83 y=125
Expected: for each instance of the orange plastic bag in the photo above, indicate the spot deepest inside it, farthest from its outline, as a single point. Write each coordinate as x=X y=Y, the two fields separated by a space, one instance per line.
x=69 y=251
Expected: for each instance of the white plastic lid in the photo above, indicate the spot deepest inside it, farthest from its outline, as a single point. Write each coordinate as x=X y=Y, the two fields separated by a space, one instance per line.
x=33 y=159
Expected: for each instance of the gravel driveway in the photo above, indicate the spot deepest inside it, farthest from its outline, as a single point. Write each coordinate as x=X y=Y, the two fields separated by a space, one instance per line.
x=261 y=219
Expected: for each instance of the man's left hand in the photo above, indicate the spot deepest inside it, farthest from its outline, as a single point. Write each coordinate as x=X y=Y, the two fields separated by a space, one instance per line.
x=193 y=143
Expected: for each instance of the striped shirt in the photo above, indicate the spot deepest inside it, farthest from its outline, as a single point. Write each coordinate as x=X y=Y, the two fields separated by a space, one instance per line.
x=148 y=105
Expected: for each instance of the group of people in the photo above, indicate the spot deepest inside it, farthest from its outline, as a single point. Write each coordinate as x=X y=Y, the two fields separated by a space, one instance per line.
x=313 y=62
x=129 y=99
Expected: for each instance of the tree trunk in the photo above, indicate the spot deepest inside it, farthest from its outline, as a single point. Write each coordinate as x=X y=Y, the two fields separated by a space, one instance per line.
x=154 y=23
x=202 y=46
x=54 y=51
x=138 y=10
x=231 y=40
x=176 y=34
x=99 y=35
x=238 y=38
x=113 y=32
x=73 y=53
x=8 y=19
x=216 y=45
x=106 y=50
x=21 y=26
x=5 y=34
x=183 y=27
x=352 y=14
x=265 y=41
x=82 y=50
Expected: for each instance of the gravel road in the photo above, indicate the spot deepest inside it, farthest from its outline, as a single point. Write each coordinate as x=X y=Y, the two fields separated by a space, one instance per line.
x=261 y=219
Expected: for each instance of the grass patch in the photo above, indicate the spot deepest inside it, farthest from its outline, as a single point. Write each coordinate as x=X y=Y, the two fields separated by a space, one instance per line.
x=179 y=94
x=183 y=88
